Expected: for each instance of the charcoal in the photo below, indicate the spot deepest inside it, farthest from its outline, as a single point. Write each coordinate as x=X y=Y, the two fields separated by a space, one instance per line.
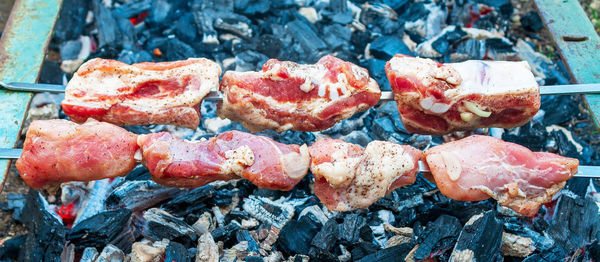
x=567 y=144
x=185 y=28
x=480 y=239
x=139 y=195
x=46 y=233
x=89 y=254
x=249 y=61
x=376 y=68
x=504 y=6
x=516 y=246
x=467 y=50
x=336 y=35
x=9 y=250
x=558 y=109
x=439 y=236
x=162 y=12
x=296 y=236
x=234 y=23
x=357 y=137
x=268 y=211
x=362 y=249
x=269 y=45
x=108 y=27
x=244 y=235
x=110 y=253
x=193 y=201
x=575 y=223
x=146 y=251
x=254 y=259
x=531 y=135
x=350 y=230
x=251 y=8
x=15 y=203
x=51 y=73
x=226 y=232
x=69 y=50
x=127 y=33
x=382 y=128
x=132 y=8
x=236 y=215
x=360 y=39
x=94 y=203
x=394 y=253
x=100 y=229
x=327 y=237
x=308 y=39
x=132 y=57
x=532 y=21
x=71 y=22
x=384 y=47
x=339 y=12
x=174 y=50
x=176 y=252
x=207 y=249
x=159 y=224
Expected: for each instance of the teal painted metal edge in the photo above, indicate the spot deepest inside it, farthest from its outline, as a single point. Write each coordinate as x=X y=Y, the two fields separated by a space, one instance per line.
x=577 y=42
x=22 y=49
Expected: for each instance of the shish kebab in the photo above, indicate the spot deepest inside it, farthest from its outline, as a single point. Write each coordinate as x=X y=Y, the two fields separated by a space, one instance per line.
x=432 y=98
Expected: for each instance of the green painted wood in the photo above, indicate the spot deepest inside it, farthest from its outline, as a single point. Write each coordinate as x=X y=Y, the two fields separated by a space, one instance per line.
x=22 y=49
x=577 y=42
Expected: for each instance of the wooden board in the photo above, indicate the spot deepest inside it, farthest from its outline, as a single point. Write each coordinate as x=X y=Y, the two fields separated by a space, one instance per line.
x=577 y=42
x=22 y=49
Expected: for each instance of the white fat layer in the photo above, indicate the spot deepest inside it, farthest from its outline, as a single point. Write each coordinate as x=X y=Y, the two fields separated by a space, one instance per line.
x=296 y=164
x=100 y=83
x=340 y=172
x=238 y=159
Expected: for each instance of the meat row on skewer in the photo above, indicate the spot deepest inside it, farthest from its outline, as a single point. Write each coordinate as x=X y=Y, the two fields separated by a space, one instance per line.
x=347 y=176
x=432 y=98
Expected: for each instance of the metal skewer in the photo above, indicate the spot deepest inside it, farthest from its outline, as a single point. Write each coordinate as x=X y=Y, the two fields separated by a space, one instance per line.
x=385 y=95
x=583 y=171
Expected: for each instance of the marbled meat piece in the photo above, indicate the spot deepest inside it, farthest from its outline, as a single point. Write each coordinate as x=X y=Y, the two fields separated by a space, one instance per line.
x=349 y=177
x=479 y=167
x=230 y=155
x=286 y=95
x=141 y=94
x=436 y=98
x=58 y=151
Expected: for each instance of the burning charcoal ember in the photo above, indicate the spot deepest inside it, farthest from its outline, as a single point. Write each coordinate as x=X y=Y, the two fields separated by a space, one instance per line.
x=100 y=229
x=394 y=253
x=572 y=233
x=516 y=246
x=224 y=233
x=139 y=195
x=110 y=253
x=46 y=233
x=384 y=47
x=438 y=237
x=9 y=250
x=147 y=252
x=275 y=213
x=207 y=249
x=296 y=236
x=15 y=203
x=89 y=254
x=176 y=252
x=480 y=239
x=190 y=202
x=159 y=225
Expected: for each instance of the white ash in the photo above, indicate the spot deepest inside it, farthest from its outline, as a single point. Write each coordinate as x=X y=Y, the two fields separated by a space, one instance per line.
x=207 y=249
x=516 y=246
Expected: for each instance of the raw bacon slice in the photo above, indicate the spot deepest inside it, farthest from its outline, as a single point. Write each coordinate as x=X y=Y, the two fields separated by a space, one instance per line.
x=230 y=155
x=436 y=98
x=479 y=167
x=141 y=94
x=349 y=177
x=58 y=151
x=286 y=95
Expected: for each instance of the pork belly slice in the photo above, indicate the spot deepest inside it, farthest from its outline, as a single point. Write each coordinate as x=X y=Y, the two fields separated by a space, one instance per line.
x=349 y=177
x=286 y=95
x=58 y=150
x=230 y=155
x=479 y=167
x=436 y=98
x=141 y=94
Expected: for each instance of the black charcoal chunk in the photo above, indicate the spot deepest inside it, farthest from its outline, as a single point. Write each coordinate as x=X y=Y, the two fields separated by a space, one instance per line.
x=15 y=203
x=383 y=128
x=51 y=73
x=394 y=253
x=438 y=237
x=480 y=239
x=351 y=230
x=249 y=61
x=532 y=21
x=159 y=224
x=69 y=50
x=71 y=21
x=504 y=6
x=339 y=12
x=226 y=232
x=576 y=222
x=185 y=29
x=162 y=12
x=193 y=201
x=177 y=252
x=108 y=27
x=336 y=35
x=296 y=236
x=174 y=50
x=11 y=247
x=327 y=237
x=384 y=47
x=254 y=259
x=132 y=8
x=100 y=229
x=46 y=236
x=244 y=235
x=363 y=248
x=558 y=109
x=268 y=211
x=376 y=68
x=532 y=135
x=139 y=195
x=308 y=39
x=248 y=7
